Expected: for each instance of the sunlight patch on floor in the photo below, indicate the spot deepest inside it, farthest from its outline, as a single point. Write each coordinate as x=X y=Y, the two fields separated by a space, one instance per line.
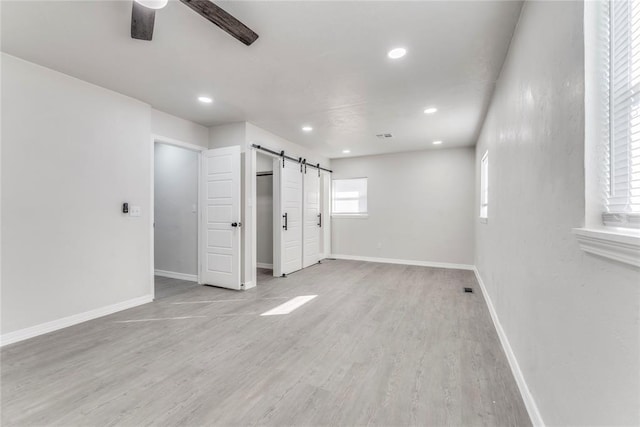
x=289 y=306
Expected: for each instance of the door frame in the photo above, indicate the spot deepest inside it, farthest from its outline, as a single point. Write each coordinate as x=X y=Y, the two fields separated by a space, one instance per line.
x=277 y=222
x=159 y=139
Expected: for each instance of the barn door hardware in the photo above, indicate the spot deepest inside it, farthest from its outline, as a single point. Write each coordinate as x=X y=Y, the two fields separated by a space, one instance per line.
x=283 y=156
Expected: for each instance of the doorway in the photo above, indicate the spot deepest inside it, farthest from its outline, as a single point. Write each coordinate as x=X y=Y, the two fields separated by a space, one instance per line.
x=175 y=213
x=264 y=217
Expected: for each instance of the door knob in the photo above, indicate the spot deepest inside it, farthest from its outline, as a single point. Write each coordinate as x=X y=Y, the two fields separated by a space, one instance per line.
x=234 y=224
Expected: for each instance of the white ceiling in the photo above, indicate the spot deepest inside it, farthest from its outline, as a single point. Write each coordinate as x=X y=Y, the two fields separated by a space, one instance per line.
x=321 y=64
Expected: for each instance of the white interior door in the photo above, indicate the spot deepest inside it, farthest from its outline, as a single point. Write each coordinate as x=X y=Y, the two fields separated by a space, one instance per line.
x=290 y=230
x=311 y=206
x=220 y=201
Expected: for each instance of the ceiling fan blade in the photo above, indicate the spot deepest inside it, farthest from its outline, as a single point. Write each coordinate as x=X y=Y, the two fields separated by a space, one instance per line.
x=142 y=19
x=223 y=20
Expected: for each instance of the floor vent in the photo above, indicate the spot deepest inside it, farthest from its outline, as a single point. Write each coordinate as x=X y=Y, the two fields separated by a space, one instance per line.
x=468 y=290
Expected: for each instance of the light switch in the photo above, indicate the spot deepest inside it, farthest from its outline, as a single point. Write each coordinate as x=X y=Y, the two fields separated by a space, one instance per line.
x=194 y=209
x=134 y=210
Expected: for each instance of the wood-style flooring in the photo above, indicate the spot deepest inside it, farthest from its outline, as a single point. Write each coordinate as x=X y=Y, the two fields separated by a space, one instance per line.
x=381 y=344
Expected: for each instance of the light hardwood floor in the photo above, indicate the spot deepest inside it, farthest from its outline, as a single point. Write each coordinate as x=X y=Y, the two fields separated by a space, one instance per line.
x=382 y=344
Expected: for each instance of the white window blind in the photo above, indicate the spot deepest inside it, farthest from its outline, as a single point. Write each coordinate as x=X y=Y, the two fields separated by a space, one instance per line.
x=484 y=186
x=623 y=156
x=349 y=196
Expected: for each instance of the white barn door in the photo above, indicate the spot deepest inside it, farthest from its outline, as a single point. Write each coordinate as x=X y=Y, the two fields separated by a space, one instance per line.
x=220 y=201
x=311 y=206
x=288 y=236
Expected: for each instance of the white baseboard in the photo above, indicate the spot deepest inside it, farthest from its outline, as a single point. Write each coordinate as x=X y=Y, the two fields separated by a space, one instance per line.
x=404 y=261
x=174 y=275
x=264 y=265
x=529 y=402
x=65 y=322
x=248 y=285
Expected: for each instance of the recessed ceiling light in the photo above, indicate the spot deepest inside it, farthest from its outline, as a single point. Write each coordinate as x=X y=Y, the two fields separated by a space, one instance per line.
x=430 y=110
x=437 y=142
x=307 y=128
x=153 y=4
x=205 y=99
x=346 y=151
x=396 y=53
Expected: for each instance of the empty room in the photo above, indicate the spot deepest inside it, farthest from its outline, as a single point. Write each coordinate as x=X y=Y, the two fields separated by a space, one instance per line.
x=314 y=213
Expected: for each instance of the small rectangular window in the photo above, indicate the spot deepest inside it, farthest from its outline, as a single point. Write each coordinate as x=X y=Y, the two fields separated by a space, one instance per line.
x=349 y=196
x=484 y=186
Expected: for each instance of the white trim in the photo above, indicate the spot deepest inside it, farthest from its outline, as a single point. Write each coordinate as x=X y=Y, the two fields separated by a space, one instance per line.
x=277 y=221
x=248 y=285
x=249 y=246
x=152 y=216
x=527 y=397
x=404 y=261
x=176 y=142
x=264 y=265
x=65 y=322
x=613 y=244
x=352 y=216
x=176 y=275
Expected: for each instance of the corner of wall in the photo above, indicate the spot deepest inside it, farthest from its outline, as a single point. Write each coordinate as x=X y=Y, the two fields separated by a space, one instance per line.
x=228 y=134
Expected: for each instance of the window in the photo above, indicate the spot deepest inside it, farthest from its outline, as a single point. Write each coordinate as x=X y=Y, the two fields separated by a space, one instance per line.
x=612 y=131
x=349 y=196
x=484 y=186
x=622 y=146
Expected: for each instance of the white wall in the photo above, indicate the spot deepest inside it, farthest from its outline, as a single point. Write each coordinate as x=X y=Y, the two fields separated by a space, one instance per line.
x=176 y=220
x=264 y=163
x=227 y=135
x=420 y=207
x=72 y=154
x=571 y=318
x=168 y=126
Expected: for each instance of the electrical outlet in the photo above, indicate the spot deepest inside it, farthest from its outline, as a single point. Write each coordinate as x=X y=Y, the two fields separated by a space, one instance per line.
x=134 y=211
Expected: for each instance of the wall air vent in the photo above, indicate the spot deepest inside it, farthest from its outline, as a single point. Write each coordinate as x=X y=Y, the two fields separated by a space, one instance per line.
x=384 y=136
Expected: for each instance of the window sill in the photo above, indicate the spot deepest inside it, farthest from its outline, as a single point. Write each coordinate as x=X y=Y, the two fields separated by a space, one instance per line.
x=353 y=216
x=612 y=243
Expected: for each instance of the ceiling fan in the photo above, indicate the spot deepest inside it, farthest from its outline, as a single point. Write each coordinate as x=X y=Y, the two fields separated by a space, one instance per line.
x=144 y=14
